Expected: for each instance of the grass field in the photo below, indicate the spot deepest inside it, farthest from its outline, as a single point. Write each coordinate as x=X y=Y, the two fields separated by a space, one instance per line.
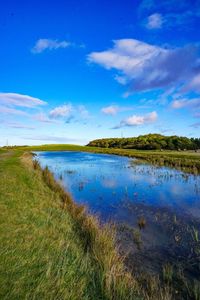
x=49 y=247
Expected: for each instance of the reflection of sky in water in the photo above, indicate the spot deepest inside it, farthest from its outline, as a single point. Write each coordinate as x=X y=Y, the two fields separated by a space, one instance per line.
x=103 y=181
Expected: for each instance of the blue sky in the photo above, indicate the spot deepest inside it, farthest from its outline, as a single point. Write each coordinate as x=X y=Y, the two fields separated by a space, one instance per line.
x=73 y=71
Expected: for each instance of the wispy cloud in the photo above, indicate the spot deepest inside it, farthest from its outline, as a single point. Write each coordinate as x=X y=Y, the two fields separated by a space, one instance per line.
x=61 y=111
x=195 y=125
x=110 y=110
x=114 y=109
x=137 y=120
x=14 y=99
x=147 y=67
x=49 y=44
x=154 y=21
x=70 y=113
x=19 y=126
x=84 y=113
x=186 y=103
x=42 y=117
x=53 y=138
x=197 y=115
x=70 y=119
x=175 y=13
x=11 y=111
x=194 y=84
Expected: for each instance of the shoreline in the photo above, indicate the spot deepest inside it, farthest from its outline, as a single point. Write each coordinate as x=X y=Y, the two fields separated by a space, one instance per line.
x=136 y=258
x=96 y=243
x=185 y=161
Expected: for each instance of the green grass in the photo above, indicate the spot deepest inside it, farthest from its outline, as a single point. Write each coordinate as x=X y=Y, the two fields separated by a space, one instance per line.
x=49 y=247
x=188 y=161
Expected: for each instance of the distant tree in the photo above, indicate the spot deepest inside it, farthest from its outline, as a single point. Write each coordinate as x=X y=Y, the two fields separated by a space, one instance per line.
x=149 y=142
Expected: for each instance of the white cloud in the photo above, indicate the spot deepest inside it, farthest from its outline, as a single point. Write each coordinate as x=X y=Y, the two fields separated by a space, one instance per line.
x=186 y=103
x=14 y=99
x=194 y=84
x=197 y=115
x=61 y=111
x=176 y=13
x=121 y=79
x=127 y=55
x=140 y=120
x=44 y=44
x=12 y=111
x=42 y=117
x=114 y=109
x=110 y=110
x=70 y=113
x=53 y=138
x=195 y=125
x=84 y=113
x=19 y=126
x=146 y=67
x=137 y=120
x=154 y=21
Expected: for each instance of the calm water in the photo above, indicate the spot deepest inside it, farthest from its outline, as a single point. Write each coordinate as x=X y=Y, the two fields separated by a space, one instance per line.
x=103 y=182
x=122 y=191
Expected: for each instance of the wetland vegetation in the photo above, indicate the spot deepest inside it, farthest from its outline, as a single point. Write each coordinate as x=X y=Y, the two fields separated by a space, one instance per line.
x=155 y=211
x=188 y=161
x=56 y=244
x=50 y=248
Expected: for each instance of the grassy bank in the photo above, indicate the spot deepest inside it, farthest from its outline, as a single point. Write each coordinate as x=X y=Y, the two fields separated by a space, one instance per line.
x=49 y=247
x=188 y=161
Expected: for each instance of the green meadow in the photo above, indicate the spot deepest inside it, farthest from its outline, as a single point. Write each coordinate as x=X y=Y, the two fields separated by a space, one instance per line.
x=50 y=248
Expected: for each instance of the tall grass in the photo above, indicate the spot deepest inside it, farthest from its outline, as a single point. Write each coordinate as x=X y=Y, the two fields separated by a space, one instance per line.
x=98 y=242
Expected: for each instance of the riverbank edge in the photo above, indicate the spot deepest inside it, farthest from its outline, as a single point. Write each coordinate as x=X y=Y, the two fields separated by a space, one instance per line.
x=109 y=274
x=98 y=241
x=184 y=161
x=145 y=286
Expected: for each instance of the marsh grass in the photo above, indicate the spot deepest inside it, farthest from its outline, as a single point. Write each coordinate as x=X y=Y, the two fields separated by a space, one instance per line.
x=52 y=249
x=168 y=273
x=195 y=234
x=187 y=161
x=141 y=223
x=97 y=242
x=137 y=238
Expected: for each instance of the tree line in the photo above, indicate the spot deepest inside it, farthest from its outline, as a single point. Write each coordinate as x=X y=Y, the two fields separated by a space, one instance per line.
x=149 y=142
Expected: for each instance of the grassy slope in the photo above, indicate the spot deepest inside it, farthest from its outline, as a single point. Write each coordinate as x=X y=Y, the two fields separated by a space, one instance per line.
x=41 y=254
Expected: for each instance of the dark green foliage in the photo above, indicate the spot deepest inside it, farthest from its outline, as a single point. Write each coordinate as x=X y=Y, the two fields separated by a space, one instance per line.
x=149 y=142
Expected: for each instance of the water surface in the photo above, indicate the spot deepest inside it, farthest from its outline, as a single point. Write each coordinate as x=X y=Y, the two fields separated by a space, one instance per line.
x=118 y=189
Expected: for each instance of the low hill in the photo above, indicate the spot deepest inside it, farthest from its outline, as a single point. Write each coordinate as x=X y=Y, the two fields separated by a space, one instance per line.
x=149 y=142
